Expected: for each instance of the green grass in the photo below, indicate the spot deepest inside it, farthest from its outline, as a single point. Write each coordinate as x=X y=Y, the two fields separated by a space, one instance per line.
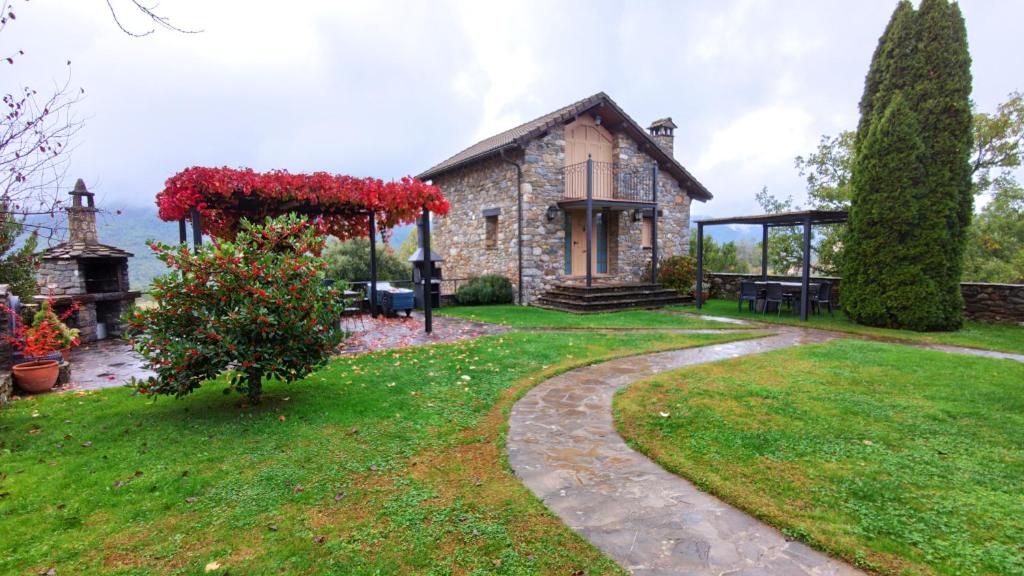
x=999 y=337
x=902 y=460
x=386 y=463
x=531 y=317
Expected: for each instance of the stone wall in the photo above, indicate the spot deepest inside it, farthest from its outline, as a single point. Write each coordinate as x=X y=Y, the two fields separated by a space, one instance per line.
x=460 y=237
x=60 y=277
x=490 y=184
x=994 y=302
x=983 y=302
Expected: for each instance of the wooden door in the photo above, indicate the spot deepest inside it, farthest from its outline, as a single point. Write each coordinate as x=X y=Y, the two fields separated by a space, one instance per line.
x=583 y=138
x=576 y=244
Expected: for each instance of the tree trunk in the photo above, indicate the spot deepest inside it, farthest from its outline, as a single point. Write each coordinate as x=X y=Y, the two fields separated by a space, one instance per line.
x=255 y=387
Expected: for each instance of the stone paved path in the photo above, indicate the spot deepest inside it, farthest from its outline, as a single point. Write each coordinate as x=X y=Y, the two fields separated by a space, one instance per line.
x=562 y=443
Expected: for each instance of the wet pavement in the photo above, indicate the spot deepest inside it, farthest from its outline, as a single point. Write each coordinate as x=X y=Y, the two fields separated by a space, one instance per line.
x=111 y=363
x=562 y=443
x=104 y=364
x=372 y=334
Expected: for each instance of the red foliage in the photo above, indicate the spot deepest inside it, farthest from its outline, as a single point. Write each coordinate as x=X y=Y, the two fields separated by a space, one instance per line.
x=225 y=195
x=40 y=340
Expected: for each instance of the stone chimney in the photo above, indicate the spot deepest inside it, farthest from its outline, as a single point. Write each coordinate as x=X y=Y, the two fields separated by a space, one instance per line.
x=81 y=217
x=661 y=130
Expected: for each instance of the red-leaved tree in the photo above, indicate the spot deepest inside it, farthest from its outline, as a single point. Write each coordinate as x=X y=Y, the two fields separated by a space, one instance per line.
x=254 y=306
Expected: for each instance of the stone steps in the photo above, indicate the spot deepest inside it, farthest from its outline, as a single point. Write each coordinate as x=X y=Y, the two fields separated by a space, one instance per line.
x=580 y=299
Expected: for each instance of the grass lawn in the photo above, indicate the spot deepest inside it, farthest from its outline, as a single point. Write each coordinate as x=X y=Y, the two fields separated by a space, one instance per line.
x=901 y=460
x=999 y=337
x=386 y=463
x=532 y=317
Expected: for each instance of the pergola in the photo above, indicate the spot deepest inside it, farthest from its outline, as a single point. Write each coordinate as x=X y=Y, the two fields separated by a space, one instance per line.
x=215 y=200
x=805 y=218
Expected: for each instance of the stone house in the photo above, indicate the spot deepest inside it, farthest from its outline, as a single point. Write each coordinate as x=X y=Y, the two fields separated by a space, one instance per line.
x=519 y=201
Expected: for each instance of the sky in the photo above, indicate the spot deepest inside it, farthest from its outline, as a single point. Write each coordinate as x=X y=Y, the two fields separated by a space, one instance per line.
x=388 y=89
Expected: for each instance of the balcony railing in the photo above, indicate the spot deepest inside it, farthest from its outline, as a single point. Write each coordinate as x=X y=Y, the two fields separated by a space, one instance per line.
x=609 y=181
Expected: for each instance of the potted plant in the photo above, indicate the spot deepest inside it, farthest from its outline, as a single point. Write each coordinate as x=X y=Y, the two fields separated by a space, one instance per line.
x=38 y=343
x=68 y=336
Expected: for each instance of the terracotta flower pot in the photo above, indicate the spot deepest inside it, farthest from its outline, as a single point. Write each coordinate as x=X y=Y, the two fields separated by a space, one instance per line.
x=36 y=377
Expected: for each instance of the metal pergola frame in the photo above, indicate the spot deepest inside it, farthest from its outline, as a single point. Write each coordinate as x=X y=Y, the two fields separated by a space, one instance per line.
x=805 y=218
x=428 y=323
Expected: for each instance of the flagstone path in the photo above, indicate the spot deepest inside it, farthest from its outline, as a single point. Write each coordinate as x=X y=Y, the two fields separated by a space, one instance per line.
x=562 y=443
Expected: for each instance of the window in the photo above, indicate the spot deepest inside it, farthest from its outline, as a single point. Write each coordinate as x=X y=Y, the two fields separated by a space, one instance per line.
x=490 y=231
x=645 y=234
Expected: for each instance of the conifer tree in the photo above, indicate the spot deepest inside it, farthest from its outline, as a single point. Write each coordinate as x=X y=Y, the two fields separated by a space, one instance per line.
x=911 y=179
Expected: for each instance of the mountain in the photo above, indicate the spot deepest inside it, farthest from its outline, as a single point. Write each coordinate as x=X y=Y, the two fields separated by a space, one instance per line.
x=729 y=232
x=130 y=229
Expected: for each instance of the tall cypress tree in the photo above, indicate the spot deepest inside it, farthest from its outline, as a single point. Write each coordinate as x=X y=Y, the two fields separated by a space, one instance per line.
x=907 y=236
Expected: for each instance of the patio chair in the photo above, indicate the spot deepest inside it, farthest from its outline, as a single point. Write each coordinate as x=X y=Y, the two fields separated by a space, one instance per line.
x=823 y=296
x=773 y=293
x=749 y=294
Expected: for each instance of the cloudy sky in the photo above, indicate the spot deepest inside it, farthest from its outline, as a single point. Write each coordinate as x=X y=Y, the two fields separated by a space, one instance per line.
x=389 y=88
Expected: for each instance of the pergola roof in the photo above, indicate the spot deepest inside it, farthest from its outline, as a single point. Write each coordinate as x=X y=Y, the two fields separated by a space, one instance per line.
x=794 y=218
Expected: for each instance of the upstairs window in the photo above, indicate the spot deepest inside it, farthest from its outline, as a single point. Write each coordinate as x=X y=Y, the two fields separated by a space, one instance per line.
x=490 y=231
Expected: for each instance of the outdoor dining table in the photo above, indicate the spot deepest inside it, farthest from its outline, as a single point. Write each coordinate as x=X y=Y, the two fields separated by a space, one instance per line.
x=789 y=288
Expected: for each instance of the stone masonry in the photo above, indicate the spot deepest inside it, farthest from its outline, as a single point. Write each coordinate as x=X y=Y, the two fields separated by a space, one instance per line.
x=982 y=302
x=490 y=184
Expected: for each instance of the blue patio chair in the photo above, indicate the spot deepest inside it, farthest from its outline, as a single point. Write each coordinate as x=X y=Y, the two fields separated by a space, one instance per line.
x=748 y=293
x=773 y=294
x=823 y=297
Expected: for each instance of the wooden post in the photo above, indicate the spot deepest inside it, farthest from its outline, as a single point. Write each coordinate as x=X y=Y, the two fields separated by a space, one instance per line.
x=590 y=216
x=697 y=294
x=654 y=224
x=764 y=252
x=806 y=276
x=373 y=264
x=428 y=274
x=197 y=229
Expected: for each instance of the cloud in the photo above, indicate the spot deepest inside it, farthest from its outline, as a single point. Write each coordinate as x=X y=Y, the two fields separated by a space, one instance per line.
x=764 y=138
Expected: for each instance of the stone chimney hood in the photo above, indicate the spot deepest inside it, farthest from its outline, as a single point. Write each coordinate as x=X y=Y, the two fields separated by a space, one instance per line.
x=662 y=132
x=82 y=216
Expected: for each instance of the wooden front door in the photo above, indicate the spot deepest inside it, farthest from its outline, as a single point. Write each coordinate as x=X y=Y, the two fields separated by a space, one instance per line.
x=585 y=138
x=576 y=243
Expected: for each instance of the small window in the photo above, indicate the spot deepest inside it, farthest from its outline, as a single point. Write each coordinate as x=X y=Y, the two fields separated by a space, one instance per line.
x=645 y=234
x=490 y=231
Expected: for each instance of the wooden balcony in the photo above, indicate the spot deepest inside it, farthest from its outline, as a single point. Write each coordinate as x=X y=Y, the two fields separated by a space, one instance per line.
x=610 y=185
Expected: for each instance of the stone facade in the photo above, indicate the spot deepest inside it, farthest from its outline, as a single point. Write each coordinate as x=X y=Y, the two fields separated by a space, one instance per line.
x=491 y=184
x=983 y=302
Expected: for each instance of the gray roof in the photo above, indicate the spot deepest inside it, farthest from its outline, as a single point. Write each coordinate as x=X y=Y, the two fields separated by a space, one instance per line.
x=520 y=135
x=74 y=250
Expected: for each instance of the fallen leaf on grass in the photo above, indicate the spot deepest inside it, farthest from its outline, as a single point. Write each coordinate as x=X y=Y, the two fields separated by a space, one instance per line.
x=212 y=566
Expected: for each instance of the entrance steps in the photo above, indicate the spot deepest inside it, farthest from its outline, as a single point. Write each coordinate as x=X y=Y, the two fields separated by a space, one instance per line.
x=572 y=297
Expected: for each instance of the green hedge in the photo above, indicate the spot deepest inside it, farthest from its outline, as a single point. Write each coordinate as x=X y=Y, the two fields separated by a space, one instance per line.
x=489 y=289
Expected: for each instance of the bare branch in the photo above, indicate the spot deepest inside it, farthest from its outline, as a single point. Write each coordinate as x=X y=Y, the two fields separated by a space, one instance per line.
x=150 y=12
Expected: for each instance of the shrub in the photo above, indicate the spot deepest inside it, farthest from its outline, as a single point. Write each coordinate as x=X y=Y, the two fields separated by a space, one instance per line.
x=678 y=273
x=488 y=289
x=350 y=260
x=254 y=307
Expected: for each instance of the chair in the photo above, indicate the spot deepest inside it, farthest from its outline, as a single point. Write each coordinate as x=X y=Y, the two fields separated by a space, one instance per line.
x=773 y=293
x=748 y=293
x=824 y=296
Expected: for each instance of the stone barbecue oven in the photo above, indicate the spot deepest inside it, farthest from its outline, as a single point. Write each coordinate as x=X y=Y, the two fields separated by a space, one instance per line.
x=83 y=270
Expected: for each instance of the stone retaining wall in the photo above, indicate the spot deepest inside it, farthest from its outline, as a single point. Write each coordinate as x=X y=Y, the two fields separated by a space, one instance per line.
x=994 y=302
x=984 y=302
